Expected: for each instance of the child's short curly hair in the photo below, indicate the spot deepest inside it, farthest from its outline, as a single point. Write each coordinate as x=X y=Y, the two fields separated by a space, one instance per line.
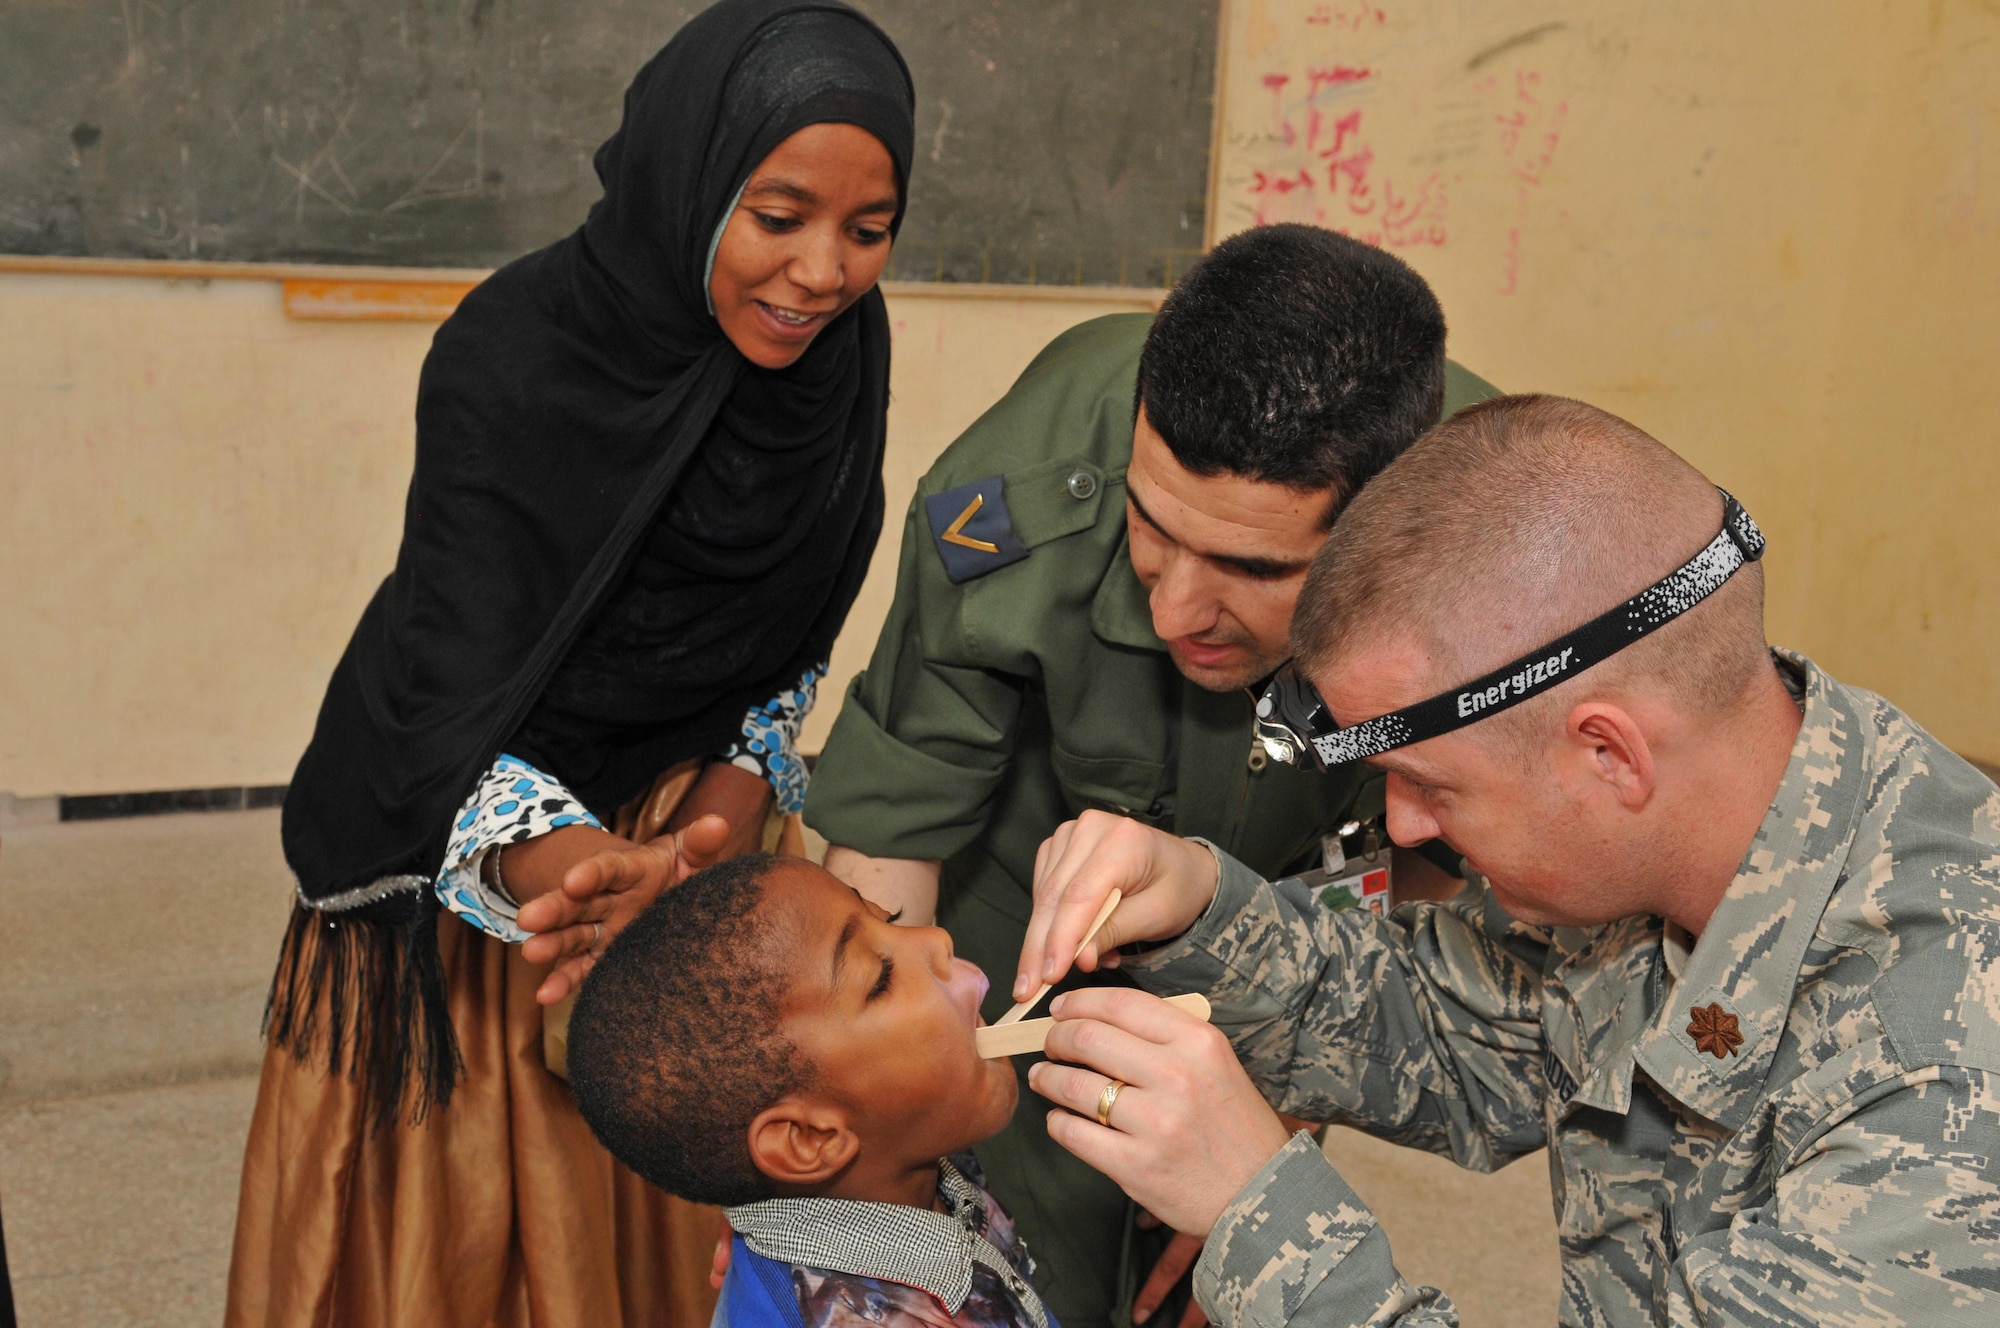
x=674 y=1045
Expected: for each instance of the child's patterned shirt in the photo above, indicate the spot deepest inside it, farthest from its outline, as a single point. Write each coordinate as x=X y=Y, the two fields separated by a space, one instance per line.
x=841 y=1263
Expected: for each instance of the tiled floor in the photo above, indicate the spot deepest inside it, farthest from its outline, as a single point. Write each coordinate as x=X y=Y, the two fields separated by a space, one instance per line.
x=1487 y=1241
x=137 y=952
x=135 y=959
x=119 y=1205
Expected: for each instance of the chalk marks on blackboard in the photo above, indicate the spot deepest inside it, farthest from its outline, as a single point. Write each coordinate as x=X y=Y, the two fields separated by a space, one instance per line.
x=427 y=188
x=323 y=174
x=943 y=124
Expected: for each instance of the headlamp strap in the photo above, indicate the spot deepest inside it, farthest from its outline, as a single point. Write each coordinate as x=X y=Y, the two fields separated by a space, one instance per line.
x=1737 y=543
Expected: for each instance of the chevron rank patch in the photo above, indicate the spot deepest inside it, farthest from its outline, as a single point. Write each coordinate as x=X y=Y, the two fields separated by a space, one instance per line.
x=972 y=531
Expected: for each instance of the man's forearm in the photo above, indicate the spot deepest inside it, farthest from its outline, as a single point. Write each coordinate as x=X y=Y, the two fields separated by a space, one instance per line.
x=907 y=887
x=1339 y=1017
x=1298 y=1249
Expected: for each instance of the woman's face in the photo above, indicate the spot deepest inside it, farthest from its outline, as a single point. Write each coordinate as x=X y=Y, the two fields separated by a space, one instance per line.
x=808 y=238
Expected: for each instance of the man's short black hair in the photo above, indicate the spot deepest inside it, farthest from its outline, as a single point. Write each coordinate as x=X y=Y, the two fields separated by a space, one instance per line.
x=1294 y=355
x=674 y=1045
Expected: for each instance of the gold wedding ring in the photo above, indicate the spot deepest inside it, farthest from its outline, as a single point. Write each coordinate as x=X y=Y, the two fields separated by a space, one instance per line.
x=1106 y=1100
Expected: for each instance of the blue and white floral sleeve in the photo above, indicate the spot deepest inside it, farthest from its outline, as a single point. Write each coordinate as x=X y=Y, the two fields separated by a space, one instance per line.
x=513 y=801
x=770 y=740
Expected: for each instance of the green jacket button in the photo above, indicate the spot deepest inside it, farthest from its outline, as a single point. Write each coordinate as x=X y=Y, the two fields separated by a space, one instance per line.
x=1082 y=484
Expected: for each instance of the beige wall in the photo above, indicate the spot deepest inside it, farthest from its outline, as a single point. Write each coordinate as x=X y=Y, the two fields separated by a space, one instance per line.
x=1769 y=234
x=198 y=494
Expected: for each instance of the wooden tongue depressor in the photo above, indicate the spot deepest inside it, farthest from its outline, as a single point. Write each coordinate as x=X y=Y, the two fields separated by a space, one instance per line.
x=1013 y=1016
x=1018 y=1039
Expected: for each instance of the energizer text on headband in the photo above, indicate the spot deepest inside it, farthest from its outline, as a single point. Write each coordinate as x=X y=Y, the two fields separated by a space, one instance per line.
x=1293 y=722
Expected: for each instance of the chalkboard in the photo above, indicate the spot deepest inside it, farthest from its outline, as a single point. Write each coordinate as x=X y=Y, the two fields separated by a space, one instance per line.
x=1059 y=141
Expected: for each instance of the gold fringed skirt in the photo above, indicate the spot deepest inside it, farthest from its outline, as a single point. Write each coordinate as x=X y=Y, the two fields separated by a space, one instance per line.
x=500 y=1209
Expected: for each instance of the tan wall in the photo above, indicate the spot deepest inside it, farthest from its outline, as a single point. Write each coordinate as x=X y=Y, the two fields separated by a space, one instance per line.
x=1769 y=234
x=198 y=494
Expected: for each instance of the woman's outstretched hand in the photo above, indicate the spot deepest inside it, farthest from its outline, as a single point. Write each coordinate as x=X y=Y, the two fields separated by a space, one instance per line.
x=602 y=893
x=1167 y=882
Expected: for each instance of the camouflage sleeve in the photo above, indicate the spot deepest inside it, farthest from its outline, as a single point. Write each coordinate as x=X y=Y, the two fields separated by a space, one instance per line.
x=1297 y=1246
x=1422 y=1027
x=1890 y=1217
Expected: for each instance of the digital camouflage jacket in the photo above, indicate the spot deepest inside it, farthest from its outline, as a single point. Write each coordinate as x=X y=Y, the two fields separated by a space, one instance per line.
x=1797 y=1122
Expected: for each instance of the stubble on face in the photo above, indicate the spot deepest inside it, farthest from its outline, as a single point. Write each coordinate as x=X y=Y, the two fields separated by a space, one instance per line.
x=1256 y=663
x=1222 y=558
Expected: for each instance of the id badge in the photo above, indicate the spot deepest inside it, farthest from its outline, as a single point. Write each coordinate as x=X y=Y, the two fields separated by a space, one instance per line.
x=1341 y=882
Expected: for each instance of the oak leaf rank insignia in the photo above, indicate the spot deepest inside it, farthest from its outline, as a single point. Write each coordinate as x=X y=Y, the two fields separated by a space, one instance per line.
x=1714 y=1031
x=972 y=531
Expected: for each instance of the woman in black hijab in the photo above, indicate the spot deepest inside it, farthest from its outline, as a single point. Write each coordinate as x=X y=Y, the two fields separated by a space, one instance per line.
x=648 y=484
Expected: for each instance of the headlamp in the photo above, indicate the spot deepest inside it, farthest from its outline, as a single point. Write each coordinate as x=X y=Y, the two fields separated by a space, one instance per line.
x=1294 y=724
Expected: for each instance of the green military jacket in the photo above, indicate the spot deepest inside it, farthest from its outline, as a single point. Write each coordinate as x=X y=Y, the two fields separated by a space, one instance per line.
x=998 y=707
x=1003 y=703
x=1796 y=1121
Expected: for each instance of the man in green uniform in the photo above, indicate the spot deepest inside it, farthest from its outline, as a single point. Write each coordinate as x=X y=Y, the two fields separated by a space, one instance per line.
x=1091 y=579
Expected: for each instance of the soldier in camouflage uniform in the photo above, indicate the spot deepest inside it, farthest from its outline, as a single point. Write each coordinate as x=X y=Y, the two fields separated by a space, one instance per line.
x=1777 y=1102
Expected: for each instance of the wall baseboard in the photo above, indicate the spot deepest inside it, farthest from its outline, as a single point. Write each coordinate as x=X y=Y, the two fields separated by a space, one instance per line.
x=16 y=811
x=112 y=806
x=118 y=806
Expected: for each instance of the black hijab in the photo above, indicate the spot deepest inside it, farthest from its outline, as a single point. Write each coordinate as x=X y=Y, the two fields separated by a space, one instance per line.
x=619 y=532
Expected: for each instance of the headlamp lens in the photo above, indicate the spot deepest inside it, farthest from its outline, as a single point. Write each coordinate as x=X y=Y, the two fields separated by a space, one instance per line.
x=1289 y=714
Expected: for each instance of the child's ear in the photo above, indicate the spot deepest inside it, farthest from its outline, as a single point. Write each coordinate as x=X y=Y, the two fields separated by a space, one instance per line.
x=802 y=1142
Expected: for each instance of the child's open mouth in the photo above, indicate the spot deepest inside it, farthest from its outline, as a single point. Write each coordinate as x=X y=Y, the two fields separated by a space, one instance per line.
x=968 y=987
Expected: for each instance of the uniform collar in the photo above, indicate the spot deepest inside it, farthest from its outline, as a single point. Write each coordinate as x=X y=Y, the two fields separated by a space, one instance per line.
x=933 y=1252
x=1122 y=614
x=1745 y=967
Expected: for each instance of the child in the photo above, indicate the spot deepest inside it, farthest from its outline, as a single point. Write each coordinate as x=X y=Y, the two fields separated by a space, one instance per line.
x=765 y=1039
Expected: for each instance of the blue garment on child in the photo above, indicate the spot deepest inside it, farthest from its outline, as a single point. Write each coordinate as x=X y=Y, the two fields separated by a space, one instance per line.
x=757 y=1292
x=900 y=1267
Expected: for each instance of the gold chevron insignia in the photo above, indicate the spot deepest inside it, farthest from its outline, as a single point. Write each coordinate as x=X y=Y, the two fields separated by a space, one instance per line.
x=951 y=532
